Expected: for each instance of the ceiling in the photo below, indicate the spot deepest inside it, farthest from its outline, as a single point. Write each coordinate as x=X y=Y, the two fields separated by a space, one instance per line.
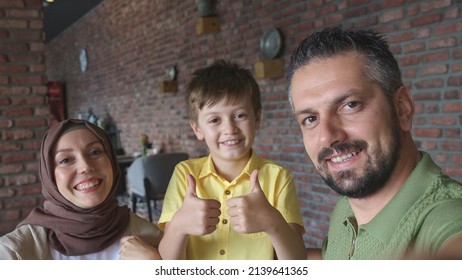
x=61 y=14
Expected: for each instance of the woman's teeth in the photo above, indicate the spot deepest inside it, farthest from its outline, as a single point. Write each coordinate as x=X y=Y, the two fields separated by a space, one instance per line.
x=343 y=158
x=86 y=186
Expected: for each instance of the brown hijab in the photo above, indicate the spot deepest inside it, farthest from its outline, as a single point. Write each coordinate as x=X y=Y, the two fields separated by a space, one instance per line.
x=73 y=230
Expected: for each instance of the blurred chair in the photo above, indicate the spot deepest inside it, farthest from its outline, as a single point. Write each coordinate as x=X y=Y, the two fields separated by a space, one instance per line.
x=149 y=177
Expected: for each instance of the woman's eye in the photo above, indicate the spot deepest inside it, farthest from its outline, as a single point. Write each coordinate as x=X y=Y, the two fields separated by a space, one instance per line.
x=95 y=152
x=63 y=161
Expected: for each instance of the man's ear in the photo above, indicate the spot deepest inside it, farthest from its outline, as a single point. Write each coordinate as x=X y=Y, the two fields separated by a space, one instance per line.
x=197 y=130
x=404 y=107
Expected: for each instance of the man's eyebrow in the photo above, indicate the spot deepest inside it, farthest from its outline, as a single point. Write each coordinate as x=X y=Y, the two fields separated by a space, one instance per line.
x=306 y=111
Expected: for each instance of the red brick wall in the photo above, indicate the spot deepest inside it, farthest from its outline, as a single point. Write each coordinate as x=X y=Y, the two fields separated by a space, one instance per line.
x=23 y=109
x=131 y=43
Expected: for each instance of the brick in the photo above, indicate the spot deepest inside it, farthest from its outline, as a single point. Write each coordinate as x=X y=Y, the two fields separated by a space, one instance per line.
x=455 y=81
x=13 y=24
x=452 y=171
x=414 y=47
x=11 y=4
x=29 y=100
x=21 y=180
x=452 y=133
x=27 y=14
x=23 y=203
x=433 y=70
x=428 y=132
x=452 y=107
x=452 y=94
x=31 y=122
x=16 y=112
x=11 y=168
x=391 y=15
x=10 y=146
x=27 y=80
x=434 y=5
x=435 y=83
x=17 y=157
x=11 y=68
x=30 y=189
x=28 y=35
x=13 y=47
x=17 y=134
x=426 y=19
x=443 y=43
x=435 y=56
x=14 y=90
x=442 y=120
x=451 y=146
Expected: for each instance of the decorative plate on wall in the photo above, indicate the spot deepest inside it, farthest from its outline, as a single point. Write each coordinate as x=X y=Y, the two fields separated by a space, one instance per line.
x=271 y=43
x=83 y=59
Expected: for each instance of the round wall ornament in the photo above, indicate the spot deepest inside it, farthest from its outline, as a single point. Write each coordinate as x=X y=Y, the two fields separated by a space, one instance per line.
x=83 y=59
x=271 y=43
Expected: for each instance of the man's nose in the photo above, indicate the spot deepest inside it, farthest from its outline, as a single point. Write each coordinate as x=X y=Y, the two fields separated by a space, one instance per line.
x=331 y=132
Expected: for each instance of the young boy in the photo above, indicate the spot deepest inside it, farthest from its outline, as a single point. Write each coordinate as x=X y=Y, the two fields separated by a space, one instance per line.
x=231 y=204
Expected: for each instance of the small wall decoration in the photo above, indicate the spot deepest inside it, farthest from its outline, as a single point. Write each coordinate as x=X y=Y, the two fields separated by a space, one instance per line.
x=270 y=48
x=170 y=84
x=83 y=59
x=208 y=21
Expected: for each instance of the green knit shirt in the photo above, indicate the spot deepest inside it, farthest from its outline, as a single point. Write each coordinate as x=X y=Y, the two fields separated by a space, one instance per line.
x=425 y=212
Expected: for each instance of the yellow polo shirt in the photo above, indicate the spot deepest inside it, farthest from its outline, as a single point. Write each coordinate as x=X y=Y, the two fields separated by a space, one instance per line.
x=224 y=243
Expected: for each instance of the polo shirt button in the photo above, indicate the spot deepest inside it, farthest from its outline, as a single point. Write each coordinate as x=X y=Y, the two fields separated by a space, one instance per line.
x=222 y=252
x=227 y=192
x=225 y=221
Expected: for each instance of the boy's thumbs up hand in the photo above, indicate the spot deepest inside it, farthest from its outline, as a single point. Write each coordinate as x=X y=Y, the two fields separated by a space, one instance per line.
x=250 y=213
x=197 y=216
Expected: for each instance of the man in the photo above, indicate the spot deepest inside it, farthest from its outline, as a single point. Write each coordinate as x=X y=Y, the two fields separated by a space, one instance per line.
x=347 y=95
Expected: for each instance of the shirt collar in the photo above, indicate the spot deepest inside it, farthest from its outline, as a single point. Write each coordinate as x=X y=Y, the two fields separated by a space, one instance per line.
x=209 y=167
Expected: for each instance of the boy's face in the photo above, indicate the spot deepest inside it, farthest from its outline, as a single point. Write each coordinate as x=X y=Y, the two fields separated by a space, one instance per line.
x=228 y=130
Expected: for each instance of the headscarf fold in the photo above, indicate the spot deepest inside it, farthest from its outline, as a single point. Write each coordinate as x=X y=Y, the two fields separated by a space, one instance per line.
x=73 y=230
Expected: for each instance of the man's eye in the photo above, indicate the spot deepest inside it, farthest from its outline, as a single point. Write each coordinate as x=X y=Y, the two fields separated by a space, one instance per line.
x=352 y=104
x=213 y=121
x=309 y=120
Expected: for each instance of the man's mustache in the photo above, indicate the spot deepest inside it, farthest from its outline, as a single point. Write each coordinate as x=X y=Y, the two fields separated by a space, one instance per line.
x=356 y=145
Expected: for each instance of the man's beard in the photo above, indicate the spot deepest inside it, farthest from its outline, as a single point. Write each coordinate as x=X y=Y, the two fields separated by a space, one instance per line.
x=377 y=171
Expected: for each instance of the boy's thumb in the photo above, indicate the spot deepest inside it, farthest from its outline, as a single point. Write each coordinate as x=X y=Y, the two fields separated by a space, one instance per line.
x=254 y=183
x=191 y=189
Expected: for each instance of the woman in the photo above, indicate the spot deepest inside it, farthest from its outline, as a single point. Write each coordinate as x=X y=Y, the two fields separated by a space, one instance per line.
x=80 y=218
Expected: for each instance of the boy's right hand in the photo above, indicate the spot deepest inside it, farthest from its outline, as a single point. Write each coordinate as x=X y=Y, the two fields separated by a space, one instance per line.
x=197 y=216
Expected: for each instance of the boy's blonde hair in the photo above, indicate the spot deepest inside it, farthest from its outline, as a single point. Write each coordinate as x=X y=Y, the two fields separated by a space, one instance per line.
x=218 y=81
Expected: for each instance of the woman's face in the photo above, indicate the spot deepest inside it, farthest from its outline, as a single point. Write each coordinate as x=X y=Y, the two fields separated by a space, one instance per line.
x=82 y=168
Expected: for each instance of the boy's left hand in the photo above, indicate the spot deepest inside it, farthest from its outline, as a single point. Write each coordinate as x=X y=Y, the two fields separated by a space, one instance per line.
x=251 y=213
